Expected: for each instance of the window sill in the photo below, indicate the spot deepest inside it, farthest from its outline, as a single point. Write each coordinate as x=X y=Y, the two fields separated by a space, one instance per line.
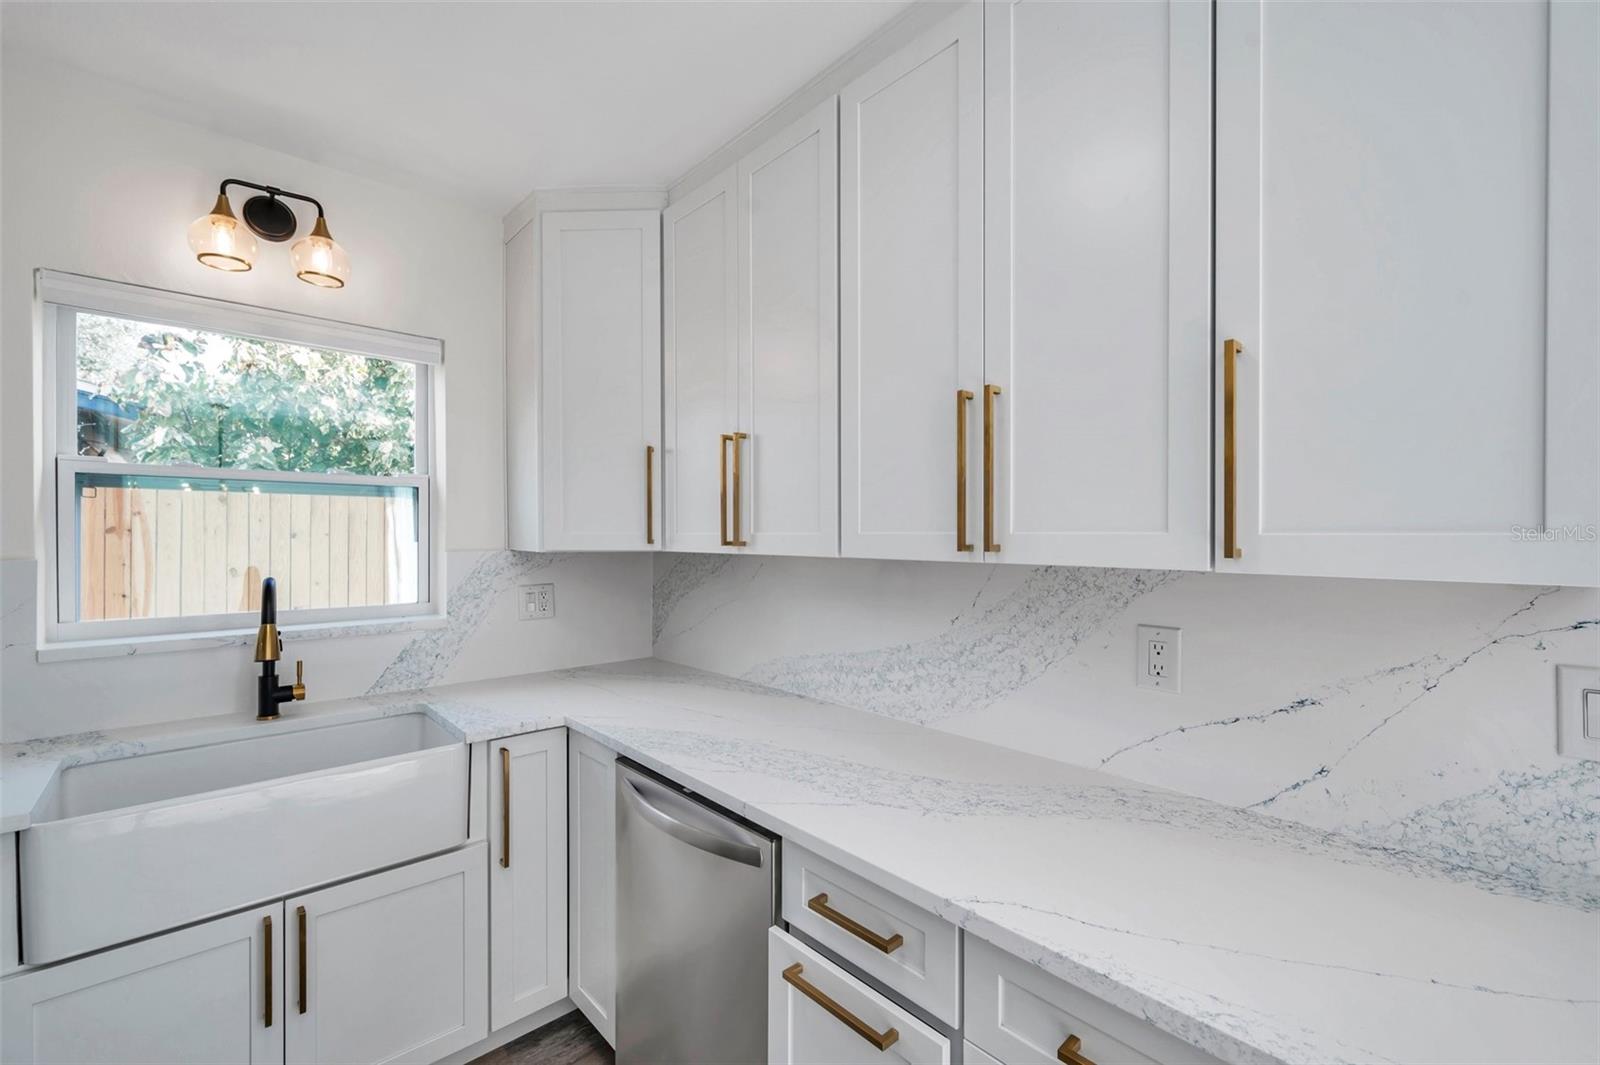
x=122 y=646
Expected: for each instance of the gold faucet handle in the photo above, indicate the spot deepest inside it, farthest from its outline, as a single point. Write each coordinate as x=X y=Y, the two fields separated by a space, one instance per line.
x=300 y=678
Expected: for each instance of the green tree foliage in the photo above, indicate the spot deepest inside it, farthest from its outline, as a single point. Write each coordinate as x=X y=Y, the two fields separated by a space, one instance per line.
x=239 y=402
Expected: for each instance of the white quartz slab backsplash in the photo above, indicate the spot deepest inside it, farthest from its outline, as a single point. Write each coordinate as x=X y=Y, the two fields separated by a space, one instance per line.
x=1408 y=715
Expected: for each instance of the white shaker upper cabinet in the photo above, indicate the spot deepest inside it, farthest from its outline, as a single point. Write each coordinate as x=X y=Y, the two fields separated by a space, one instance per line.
x=911 y=296
x=701 y=369
x=600 y=282
x=1097 y=298
x=789 y=338
x=1406 y=279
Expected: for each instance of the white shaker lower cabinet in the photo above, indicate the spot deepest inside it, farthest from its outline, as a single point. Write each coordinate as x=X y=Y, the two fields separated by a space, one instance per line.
x=527 y=874
x=1406 y=277
x=392 y=967
x=975 y=1055
x=911 y=296
x=818 y=1014
x=1097 y=352
x=592 y=864
x=600 y=374
x=211 y=994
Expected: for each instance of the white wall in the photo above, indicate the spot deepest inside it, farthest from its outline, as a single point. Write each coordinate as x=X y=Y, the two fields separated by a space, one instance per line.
x=94 y=185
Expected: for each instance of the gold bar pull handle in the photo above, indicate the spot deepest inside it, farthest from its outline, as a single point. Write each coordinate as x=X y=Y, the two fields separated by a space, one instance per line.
x=300 y=914
x=649 y=493
x=722 y=477
x=882 y=1040
x=738 y=493
x=1067 y=1053
x=963 y=397
x=505 y=808
x=1231 y=350
x=888 y=944
x=989 y=542
x=266 y=954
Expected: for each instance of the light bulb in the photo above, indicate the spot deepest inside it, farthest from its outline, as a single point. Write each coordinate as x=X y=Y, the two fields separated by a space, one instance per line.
x=220 y=242
x=318 y=259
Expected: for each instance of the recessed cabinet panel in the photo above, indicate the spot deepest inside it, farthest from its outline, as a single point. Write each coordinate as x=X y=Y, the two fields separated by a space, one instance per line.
x=700 y=268
x=911 y=293
x=1398 y=189
x=1097 y=306
x=206 y=995
x=592 y=839
x=788 y=343
x=601 y=371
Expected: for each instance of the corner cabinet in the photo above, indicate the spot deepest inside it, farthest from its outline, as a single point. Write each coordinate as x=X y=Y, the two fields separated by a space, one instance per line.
x=592 y=864
x=598 y=383
x=1407 y=328
x=751 y=350
x=527 y=874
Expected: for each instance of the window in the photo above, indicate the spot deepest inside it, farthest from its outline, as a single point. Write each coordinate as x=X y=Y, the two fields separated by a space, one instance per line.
x=201 y=446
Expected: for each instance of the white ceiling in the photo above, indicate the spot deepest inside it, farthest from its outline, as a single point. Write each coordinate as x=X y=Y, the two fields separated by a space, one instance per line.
x=481 y=101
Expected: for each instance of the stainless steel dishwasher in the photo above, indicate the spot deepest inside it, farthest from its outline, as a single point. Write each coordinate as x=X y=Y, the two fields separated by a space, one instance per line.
x=696 y=893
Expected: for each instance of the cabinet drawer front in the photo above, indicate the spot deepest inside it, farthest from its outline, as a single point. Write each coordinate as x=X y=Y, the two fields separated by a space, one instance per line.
x=1023 y=1015
x=907 y=948
x=818 y=1014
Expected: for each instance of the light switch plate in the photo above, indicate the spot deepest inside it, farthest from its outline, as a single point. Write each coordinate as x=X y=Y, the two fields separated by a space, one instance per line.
x=1578 y=712
x=538 y=601
x=1159 y=664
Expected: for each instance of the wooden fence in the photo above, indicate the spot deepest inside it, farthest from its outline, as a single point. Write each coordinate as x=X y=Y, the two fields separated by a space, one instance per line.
x=146 y=552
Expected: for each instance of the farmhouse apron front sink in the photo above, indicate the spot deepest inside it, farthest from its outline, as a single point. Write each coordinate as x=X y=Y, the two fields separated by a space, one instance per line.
x=136 y=845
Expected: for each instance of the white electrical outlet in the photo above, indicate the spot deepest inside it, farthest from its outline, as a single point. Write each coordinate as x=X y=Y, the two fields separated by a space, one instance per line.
x=538 y=601
x=1158 y=660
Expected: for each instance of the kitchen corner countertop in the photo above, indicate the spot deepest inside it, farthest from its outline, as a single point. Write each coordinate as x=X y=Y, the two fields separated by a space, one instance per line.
x=1254 y=939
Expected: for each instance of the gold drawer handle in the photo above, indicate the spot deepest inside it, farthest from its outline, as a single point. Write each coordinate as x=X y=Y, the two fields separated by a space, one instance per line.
x=882 y=1040
x=819 y=903
x=505 y=808
x=1067 y=1053
x=266 y=950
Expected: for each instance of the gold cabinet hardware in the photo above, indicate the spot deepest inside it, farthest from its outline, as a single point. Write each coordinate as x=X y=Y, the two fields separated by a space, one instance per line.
x=989 y=542
x=736 y=540
x=300 y=914
x=1231 y=350
x=722 y=496
x=1067 y=1053
x=963 y=397
x=505 y=808
x=882 y=1040
x=649 y=493
x=819 y=904
x=266 y=953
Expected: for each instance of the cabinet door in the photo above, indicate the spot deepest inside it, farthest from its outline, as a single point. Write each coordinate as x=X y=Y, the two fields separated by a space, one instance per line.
x=911 y=295
x=701 y=369
x=1406 y=215
x=811 y=1004
x=208 y=995
x=392 y=967
x=527 y=874
x=789 y=337
x=1098 y=282
x=600 y=278
x=592 y=864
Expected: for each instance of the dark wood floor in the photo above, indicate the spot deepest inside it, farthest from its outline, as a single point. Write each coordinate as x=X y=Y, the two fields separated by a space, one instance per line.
x=569 y=1040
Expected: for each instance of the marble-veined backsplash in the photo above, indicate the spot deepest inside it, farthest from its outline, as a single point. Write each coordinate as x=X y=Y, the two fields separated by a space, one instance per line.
x=1407 y=715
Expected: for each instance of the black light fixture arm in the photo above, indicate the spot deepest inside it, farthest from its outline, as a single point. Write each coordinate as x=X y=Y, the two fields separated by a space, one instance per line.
x=270 y=190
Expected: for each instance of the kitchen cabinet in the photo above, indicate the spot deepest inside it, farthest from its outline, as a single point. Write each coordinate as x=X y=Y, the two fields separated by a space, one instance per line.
x=207 y=994
x=1406 y=272
x=392 y=967
x=527 y=874
x=600 y=381
x=751 y=350
x=1097 y=260
x=592 y=872
x=817 y=1013
x=911 y=296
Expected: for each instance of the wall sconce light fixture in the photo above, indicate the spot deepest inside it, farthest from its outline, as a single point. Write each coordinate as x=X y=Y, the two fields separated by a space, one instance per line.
x=222 y=243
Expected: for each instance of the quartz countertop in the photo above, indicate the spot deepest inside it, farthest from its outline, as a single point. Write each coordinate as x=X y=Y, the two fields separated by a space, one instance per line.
x=1251 y=938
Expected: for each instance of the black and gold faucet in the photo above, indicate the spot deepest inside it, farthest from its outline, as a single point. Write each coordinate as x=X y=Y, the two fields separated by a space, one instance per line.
x=269 y=648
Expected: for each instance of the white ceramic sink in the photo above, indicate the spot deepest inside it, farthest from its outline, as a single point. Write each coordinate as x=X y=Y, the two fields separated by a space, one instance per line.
x=136 y=845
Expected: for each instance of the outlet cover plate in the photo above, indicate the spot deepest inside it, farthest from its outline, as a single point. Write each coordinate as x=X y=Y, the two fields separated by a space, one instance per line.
x=1158 y=659
x=1577 y=711
x=536 y=601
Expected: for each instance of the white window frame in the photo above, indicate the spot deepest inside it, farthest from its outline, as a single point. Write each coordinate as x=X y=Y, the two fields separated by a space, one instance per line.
x=61 y=296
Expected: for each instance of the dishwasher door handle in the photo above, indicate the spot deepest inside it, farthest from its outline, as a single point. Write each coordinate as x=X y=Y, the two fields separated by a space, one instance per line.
x=695 y=836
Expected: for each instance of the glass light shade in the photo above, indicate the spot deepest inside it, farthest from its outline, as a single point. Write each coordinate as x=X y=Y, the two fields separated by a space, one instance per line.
x=318 y=259
x=220 y=242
